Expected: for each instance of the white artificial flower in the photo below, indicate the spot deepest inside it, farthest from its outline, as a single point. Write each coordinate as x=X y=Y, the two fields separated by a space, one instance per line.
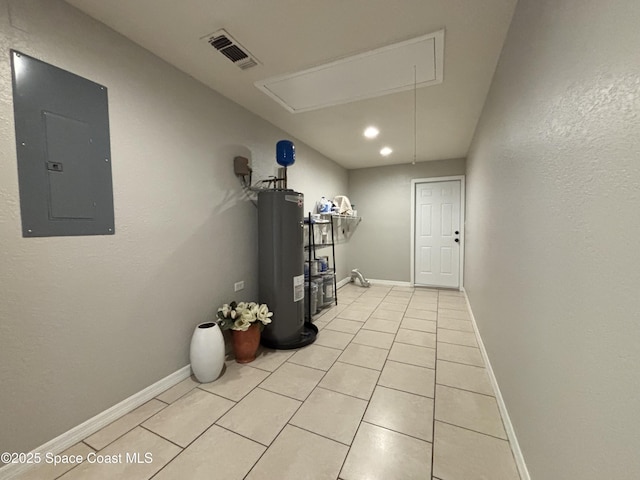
x=241 y=324
x=248 y=316
x=244 y=314
x=263 y=314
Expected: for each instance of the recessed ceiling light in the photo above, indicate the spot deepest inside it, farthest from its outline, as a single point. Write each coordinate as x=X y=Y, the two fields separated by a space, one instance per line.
x=385 y=151
x=371 y=132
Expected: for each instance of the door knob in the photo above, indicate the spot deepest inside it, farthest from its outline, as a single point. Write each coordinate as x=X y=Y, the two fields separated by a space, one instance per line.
x=457 y=232
x=457 y=240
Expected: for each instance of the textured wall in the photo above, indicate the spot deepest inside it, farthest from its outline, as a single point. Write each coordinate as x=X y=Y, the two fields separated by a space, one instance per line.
x=88 y=321
x=381 y=245
x=552 y=257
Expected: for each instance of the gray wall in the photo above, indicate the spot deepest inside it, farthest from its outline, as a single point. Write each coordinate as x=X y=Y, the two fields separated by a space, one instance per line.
x=381 y=244
x=552 y=257
x=87 y=321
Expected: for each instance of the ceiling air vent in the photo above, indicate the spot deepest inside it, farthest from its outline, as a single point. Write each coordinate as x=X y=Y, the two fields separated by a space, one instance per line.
x=230 y=48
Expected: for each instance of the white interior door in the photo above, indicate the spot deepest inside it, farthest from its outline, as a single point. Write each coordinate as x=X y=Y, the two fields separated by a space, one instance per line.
x=437 y=234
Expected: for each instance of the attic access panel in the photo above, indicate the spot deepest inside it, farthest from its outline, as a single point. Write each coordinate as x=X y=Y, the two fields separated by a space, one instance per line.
x=394 y=68
x=64 y=157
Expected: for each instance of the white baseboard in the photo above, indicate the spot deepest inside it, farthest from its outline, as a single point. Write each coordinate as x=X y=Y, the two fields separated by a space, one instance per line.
x=392 y=283
x=508 y=426
x=82 y=431
x=343 y=282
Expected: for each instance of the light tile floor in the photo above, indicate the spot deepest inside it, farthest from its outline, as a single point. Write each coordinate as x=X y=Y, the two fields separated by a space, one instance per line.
x=394 y=388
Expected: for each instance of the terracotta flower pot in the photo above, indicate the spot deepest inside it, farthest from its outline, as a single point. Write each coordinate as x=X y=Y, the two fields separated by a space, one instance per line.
x=245 y=344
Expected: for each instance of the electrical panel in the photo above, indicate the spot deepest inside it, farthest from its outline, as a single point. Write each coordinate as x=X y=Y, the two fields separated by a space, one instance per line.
x=64 y=157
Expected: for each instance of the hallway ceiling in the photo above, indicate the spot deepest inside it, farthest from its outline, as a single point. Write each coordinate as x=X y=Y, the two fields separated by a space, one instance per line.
x=287 y=36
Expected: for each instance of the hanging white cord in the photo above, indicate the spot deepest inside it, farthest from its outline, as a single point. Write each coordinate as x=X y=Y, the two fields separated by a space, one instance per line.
x=415 y=114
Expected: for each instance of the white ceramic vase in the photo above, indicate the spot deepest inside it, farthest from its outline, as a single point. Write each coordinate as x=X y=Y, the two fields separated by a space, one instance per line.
x=207 y=352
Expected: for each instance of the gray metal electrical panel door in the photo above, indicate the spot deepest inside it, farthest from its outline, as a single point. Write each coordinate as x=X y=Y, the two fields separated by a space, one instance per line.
x=64 y=158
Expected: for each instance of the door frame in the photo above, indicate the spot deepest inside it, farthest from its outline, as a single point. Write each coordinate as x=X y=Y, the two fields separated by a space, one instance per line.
x=414 y=183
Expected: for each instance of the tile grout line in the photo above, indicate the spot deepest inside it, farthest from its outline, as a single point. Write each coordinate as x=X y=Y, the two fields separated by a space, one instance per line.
x=392 y=359
x=139 y=424
x=456 y=330
x=368 y=401
x=264 y=369
x=171 y=441
x=413 y=344
x=449 y=361
x=475 y=431
x=182 y=449
x=378 y=384
x=243 y=396
x=465 y=389
x=345 y=394
x=325 y=372
x=227 y=411
x=293 y=415
x=307 y=366
x=129 y=430
x=405 y=343
x=433 y=430
x=75 y=466
x=222 y=396
x=404 y=391
x=364 y=344
x=119 y=437
x=396 y=431
x=435 y=381
x=183 y=395
x=289 y=396
x=337 y=360
x=83 y=442
x=416 y=330
x=348 y=445
x=357 y=365
x=458 y=361
x=116 y=439
x=280 y=431
x=365 y=410
x=235 y=433
x=411 y=364
x=460 y=344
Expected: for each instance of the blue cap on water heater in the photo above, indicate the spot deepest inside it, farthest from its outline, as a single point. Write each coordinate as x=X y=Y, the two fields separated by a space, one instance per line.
x=285 y=153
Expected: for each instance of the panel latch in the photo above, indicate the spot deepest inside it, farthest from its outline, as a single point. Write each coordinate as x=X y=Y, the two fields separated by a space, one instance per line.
x=54 y=166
